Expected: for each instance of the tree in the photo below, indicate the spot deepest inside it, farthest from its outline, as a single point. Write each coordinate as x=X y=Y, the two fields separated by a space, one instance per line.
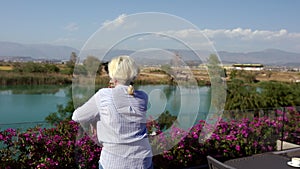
x=71 y=63
x=92 y=65
x=218 y=87
x=166 y=120
x=30 y=67
x=51 y=68
x=241 y=96
x=295 y=87
x=233 y=74
x=247 y=76
x=80 y=70
x=278 y=94
x=73 y=58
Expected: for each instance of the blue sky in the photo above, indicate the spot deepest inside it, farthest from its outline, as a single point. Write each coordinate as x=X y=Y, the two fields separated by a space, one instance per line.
x=231 y=25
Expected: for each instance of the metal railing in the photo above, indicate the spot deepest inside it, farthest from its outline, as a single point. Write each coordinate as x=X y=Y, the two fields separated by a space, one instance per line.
x=228 y=115
x=24 y=125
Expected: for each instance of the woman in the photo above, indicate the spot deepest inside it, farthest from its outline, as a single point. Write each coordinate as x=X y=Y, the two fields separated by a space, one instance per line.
x=121 y=119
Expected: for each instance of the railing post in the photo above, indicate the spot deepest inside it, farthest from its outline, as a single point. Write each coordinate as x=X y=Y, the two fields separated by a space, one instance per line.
x=282 y=129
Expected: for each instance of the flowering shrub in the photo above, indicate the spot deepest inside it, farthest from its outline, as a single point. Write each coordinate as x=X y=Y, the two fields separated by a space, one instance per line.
x=59 y=147
x=229 y=140
x=291 y=128
x=67 y=146
x=7 y=151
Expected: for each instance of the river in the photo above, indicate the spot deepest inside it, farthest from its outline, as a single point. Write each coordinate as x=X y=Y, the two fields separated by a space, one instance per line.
x=31 y=104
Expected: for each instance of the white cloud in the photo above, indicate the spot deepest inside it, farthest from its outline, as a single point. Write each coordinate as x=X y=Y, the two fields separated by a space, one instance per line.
x=248 y=34
x=184 y=33
x=233 y=40
x=71 y=27
x=240 y=39
x=115 y=23
x=63 y=40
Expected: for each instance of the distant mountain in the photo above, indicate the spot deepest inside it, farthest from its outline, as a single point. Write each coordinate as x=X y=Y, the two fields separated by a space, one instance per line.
x=46 y=51
x=36 y=51
x=267 y=57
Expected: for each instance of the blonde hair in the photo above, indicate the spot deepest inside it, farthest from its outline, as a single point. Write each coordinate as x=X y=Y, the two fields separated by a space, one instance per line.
x=123 y=69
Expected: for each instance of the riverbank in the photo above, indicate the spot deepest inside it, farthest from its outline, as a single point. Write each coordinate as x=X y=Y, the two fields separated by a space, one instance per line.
x=13 y=78
x=148 y=75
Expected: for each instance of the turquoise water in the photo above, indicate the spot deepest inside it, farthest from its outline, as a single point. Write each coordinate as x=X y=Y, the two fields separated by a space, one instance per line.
x=171 y=98
x=21 y=105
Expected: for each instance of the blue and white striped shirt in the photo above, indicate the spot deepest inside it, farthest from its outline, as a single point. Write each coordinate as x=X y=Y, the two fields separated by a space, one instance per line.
x=121 y=127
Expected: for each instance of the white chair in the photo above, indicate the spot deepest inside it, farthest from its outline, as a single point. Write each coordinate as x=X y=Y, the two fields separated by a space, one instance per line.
x=289 y=152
